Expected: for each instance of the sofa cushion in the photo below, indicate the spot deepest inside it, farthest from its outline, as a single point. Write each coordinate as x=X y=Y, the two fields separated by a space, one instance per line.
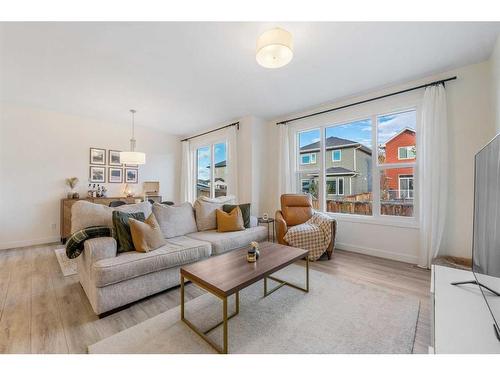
x=205 y=211
x=245 y=211
x=223 y=242
x=87 y=214
x=147 y=235
x=125 y=266
x=121 y=225
x=175 y=221
x=230 y=222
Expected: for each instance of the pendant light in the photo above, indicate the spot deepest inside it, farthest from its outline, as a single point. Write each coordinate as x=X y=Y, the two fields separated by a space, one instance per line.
x=132 y=156
x=274 y=48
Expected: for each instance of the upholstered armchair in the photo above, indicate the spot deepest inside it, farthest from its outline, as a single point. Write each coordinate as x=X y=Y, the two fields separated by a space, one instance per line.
x=297 y=209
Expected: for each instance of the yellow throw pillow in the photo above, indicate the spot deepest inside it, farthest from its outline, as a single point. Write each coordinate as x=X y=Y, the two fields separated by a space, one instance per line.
x=230 y=222
x=147 y=235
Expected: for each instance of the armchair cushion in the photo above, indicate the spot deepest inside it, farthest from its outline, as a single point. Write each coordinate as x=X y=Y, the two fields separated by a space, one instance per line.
x=296 y=208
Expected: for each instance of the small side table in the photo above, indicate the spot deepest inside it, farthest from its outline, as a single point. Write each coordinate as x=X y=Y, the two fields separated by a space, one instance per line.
x=270 y=223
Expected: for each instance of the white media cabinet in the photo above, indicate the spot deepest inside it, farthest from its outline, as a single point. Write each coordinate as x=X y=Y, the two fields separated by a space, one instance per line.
x=460 y=321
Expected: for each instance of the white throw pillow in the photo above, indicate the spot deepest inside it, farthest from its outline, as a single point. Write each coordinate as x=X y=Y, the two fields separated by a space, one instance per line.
x=175 y=220
x=205 y=209
x=87 y=214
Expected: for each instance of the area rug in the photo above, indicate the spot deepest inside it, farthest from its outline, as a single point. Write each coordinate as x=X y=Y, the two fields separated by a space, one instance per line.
x=68 y=266
x=336 y=316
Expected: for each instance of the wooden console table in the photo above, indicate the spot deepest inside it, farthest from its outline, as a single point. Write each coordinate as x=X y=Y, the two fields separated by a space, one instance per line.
x=66 y=205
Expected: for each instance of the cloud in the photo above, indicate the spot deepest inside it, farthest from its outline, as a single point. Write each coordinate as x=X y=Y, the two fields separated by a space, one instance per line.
x=390 y=125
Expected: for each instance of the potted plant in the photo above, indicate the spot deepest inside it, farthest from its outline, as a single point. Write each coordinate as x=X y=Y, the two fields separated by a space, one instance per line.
x=72 y=182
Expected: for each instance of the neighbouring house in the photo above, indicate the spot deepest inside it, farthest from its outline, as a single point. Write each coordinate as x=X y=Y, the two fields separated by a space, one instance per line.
x=397 y=183
x=348 y=167
x=203 y=186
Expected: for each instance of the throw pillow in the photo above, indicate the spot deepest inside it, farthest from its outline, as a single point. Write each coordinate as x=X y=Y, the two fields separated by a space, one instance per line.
x=175 y=220
x=205 y=214
x=121 y=223
x=229 y=222
x=147 y=235
x=245 y=211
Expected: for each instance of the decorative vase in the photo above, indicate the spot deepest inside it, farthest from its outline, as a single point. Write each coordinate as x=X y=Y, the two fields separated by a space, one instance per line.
x=251 y=255
x=76 y=196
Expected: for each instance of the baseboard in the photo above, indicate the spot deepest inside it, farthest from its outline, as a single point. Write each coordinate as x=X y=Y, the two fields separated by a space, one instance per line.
x=32 y=242
x=377 y=252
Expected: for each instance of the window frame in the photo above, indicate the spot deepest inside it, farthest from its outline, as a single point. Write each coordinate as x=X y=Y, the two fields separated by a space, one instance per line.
x=406 y=148
x=312 y=155
x=407 y=178
x=340 y=155
x=393 y=105
x=210 y=143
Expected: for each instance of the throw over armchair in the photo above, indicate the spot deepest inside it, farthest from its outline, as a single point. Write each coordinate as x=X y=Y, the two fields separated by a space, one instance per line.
x=296 y=209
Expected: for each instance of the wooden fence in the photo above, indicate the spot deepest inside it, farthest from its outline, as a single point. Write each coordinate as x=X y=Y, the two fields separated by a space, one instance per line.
x=358 y=206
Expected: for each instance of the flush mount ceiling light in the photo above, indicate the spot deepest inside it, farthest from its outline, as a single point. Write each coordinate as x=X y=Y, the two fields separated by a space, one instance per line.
x=274 y=48
x=132 y=156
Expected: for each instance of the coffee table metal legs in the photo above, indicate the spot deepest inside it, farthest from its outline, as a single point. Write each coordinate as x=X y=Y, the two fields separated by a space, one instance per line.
x=283 y=282
x=225 y=318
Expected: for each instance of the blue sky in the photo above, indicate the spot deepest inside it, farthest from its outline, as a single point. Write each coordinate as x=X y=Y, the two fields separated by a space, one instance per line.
x=360 y=131
x=204 y=159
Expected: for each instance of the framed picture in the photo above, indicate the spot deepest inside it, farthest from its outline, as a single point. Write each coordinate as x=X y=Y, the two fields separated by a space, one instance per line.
x=97 y=174
x=115 y=175
x=114 y=158
x=131 y=176
x=97 y=156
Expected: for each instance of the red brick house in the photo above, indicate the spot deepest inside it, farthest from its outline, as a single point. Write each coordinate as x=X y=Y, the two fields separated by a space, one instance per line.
x=401 y=148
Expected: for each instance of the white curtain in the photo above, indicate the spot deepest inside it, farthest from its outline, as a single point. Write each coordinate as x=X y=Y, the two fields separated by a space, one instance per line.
x=433 y=173
x=285 y=178
x=187 y=173
x=232 y=157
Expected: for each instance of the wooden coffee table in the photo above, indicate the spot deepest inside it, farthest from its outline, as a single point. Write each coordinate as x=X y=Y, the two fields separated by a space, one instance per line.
x=227 y=274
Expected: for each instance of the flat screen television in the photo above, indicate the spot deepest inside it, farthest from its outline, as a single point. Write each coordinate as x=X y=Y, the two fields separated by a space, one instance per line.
x=486 y=235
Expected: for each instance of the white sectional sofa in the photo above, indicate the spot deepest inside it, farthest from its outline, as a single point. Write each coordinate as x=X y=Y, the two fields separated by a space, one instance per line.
x=111 y=279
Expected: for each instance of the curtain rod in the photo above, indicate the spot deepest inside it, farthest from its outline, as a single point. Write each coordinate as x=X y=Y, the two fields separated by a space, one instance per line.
x=237 y=124
x=442 y=81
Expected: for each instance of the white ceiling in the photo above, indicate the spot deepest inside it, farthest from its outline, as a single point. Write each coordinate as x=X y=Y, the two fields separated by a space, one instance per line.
x=188 y=77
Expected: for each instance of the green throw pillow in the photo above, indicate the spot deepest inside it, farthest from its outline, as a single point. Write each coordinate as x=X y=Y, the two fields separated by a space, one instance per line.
x=245 y=211
x=122 y=229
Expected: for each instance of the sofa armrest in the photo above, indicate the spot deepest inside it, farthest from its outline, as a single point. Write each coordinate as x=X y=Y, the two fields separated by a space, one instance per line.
x=253 y=222
x=281 y=227
x=96 y=249
x=100 y=248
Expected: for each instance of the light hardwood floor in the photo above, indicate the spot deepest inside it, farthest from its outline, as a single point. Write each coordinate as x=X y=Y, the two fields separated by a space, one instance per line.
x=41 y=311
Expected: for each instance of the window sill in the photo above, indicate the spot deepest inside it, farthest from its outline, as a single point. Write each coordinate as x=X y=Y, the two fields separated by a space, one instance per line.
x=391 y=221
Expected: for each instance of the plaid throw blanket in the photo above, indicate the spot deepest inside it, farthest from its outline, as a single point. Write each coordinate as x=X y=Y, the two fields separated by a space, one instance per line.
x=74 y=246
x=314 y=235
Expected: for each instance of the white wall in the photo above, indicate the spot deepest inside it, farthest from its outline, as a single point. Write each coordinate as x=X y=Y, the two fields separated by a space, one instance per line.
x=39 y=149
x=251 y=159
x=470 y=125
x=495 y=69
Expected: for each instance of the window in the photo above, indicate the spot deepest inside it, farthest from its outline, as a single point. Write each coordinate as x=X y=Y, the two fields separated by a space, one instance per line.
x=336 y=155
x=308 y=159
x=406 y=187
x=352 y=164
x=211 y=170
x=397 y=155
x=335 y=186
x=308 y=165
x=406 y=152
x=371 y=169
